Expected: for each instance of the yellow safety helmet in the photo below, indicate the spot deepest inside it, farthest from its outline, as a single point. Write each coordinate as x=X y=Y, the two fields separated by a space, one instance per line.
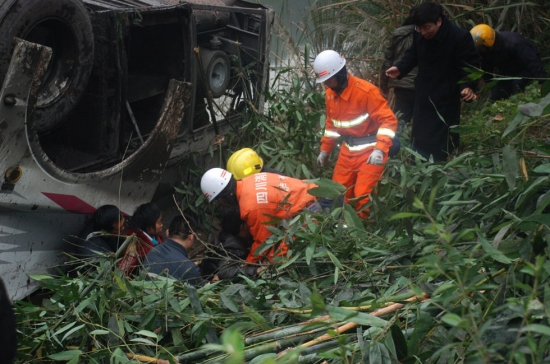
x=244 y=162
x=483 y=35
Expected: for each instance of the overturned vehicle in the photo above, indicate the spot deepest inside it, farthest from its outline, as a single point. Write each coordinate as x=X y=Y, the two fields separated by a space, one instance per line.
x=120 y=93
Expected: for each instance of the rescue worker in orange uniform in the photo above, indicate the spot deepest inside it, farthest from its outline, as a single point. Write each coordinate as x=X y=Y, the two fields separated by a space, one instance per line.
x=358 y=113
x=262 y=198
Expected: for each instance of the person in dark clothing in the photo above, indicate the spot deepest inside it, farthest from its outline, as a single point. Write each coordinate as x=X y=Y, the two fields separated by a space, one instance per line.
x=403 y=89
x=507 y=54
x=230 y=249
x=171 y=257
x=146 y=224
x=103 y=235
x=441 y=51
x=8 y=335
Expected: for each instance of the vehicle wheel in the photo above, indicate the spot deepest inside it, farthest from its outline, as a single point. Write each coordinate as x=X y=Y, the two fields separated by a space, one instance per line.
x=63 y=25
x=217 y=71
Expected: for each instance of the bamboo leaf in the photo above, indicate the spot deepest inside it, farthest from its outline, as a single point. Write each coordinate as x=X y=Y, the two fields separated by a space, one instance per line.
x=495 y=253
x=228 y=302
x=361 y=318
x=66 y=355
x=142 y=340
x=74 y=329
x=404 y=215
x=334 y=260
x=99 y=332
x=519 y=119
x=510 y=166
x=530 y=109
x=543 y=168
x=147 y=333
x=537 y=328
x=399 y=341
x=454 y=320
x=378 y=353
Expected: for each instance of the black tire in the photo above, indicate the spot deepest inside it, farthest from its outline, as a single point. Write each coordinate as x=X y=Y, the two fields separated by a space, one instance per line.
x=217 y=71
x=63 y=25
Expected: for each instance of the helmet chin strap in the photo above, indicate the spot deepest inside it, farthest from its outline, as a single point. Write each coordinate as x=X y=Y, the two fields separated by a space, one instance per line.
x=342 y=79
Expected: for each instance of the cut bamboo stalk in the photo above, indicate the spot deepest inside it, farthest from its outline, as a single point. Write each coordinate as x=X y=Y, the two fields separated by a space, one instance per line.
x=146 y=359
x=351 y=325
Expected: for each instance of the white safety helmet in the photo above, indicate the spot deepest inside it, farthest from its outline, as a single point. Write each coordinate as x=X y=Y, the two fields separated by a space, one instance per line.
x=327 y=64
x=213 y=182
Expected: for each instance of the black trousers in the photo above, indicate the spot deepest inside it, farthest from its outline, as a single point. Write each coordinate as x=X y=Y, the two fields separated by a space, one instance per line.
x=404 y=104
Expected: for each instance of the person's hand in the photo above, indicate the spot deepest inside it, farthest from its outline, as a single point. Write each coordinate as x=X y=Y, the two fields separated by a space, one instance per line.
x=322 y=159
x=376 y=158
x=468 y=95
x=393 y=72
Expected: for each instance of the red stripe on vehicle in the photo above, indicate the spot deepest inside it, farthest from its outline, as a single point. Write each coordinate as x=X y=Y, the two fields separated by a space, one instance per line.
x=70 y=203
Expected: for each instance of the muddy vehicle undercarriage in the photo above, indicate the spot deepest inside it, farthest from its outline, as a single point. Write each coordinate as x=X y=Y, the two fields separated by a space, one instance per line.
x=131 y=87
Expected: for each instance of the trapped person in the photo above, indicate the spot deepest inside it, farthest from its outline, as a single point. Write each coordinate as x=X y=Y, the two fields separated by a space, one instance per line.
x=507 y=54
x=146 y=224
x=356 y=111
x=262 y=199
x=230 y=248
x=403 y=89
x=104 y=233
x=441 y=51
x=172 y=257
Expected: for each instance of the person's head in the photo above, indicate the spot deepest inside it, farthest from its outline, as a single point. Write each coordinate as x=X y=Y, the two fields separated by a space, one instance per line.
x=148 y=218
x=244 y=163
x=108 y=218
x=219 y=184
x=484 y=36
x=427 y=17
x=330 y=69
x=233 y=224
x=182 y=229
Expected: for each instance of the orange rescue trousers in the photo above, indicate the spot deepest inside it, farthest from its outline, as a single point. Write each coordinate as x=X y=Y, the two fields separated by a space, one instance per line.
x=359 y=178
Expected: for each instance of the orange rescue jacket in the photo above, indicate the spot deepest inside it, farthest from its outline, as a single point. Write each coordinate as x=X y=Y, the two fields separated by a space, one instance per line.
x=264 y=197
x=360 y=110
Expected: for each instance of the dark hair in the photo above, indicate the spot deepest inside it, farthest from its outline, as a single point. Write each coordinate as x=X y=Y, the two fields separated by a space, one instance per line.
x=231 y=220
x=182 y=226
x=229 y=194
x=342 y=73
x=145 y=216
x=408 y=21
x=105 y=217
x=426 y=12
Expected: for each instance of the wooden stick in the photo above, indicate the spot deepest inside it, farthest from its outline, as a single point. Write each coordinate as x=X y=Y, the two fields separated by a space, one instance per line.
x=146 y=359
x=351 y=325
x=142 y=358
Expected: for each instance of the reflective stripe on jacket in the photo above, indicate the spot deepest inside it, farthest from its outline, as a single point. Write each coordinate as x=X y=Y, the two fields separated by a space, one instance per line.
x=360 y=110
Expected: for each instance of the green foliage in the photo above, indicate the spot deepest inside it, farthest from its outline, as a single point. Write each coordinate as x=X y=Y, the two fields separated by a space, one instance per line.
x=472 y=234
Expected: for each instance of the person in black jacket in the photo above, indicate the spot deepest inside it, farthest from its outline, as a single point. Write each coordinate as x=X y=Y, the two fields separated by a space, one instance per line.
x=507 y=54
x=441 y=51
x=227 y=257
x=403 y=89
x=103 y=235
x=172 y=257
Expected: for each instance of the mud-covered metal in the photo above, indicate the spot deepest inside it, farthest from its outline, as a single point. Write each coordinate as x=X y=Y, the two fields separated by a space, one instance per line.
x=142 y=109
